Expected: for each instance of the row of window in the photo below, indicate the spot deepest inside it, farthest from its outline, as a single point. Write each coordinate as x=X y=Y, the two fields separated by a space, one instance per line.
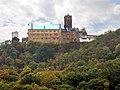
x=46 y=34
x=45 y=38
x=43 y=30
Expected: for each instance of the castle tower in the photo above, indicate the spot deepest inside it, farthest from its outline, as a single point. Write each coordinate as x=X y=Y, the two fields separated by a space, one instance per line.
x=68 y=21
x=15 y=34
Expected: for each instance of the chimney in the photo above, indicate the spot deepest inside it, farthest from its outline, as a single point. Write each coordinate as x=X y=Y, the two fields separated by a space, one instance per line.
x=59 y=26
x=31 y=25
x=44 y=27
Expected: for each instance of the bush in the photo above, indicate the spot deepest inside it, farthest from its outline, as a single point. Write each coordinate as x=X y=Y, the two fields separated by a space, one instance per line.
x=11 y=78
x=29 y=79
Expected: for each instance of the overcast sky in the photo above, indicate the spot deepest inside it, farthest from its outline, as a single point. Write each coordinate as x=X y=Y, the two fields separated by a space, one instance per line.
x=96 y=15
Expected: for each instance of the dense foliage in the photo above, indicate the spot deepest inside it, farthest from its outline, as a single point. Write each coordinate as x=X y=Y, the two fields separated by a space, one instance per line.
x=74 y=66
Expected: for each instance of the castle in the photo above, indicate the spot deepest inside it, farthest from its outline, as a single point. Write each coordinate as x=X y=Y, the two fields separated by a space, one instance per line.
x=54 y=33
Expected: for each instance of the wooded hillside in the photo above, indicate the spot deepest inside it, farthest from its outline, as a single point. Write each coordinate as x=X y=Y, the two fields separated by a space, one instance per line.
x=73 y=66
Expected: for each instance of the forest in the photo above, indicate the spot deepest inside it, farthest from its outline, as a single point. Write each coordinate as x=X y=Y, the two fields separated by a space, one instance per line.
x=73 y=66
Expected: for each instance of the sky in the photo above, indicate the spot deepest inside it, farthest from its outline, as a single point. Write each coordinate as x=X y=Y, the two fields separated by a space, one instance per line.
x=97 y=16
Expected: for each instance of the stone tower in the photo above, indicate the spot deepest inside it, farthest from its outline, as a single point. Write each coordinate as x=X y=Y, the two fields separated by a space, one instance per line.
x=68 y=21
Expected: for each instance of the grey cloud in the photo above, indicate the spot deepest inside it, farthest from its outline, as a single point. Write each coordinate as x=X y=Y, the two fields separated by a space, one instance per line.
x=28 y=10
x=47 y=8
x=59 y=2
x=91 y=11
x=40 y=19
x=11 y=2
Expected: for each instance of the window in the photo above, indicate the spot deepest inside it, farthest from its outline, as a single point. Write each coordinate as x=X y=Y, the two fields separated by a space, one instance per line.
x=33 y=30
x=53 y=38
x=38 y=34
x=55 y=34
x=34 y=38
x=42 y=34
x=46 y=34
x=34 y=34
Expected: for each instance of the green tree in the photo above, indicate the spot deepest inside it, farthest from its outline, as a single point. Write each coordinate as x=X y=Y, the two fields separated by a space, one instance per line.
x=26 y=70
x=9 y=61
x=103 y=53
x=117 y=50
x=72 y=78
x=29 y=79
x=44 y=53
x=11 y=78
